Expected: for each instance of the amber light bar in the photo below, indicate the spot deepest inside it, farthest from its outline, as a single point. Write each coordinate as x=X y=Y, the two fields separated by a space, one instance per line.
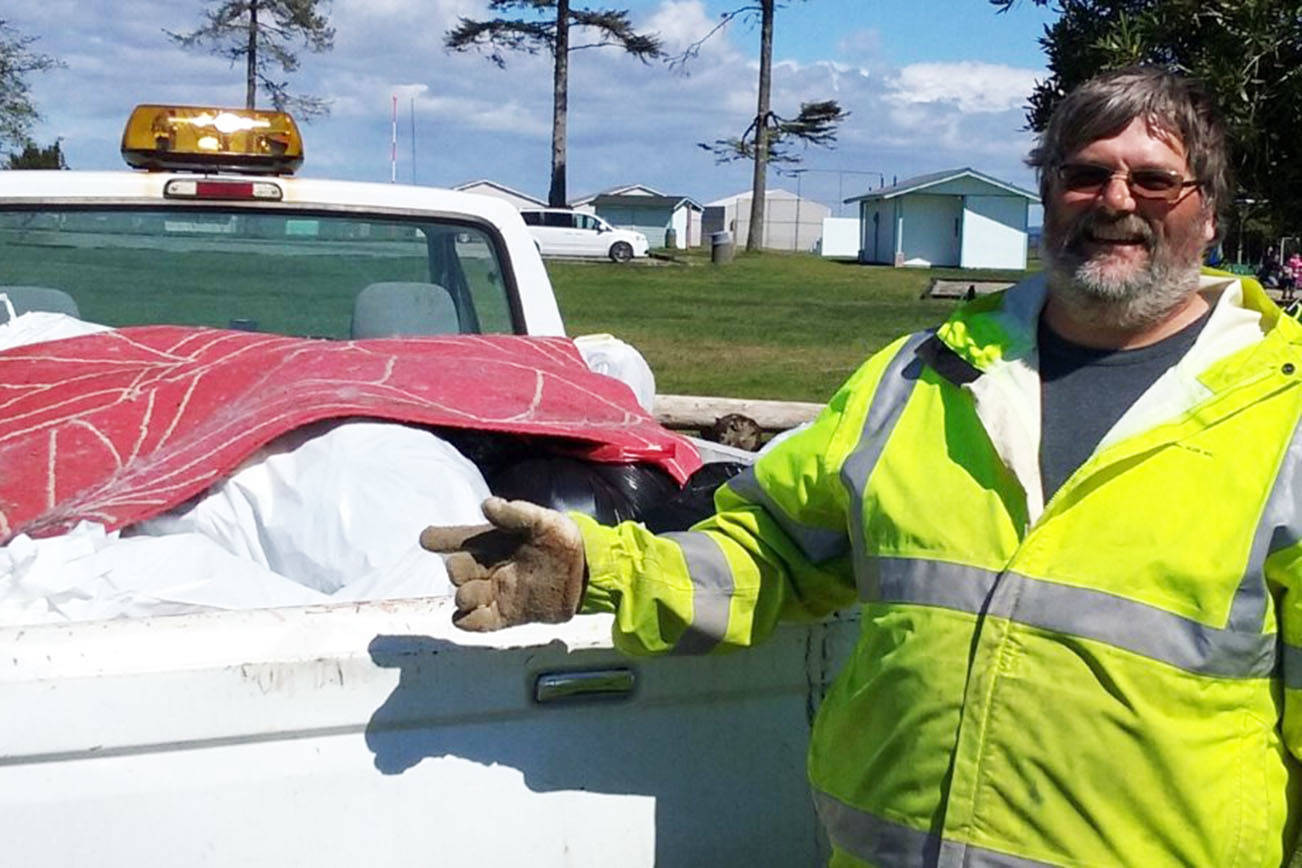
x=199 y=138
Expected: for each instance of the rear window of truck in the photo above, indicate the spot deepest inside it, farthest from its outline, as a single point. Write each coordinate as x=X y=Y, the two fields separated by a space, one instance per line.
x=306 y=274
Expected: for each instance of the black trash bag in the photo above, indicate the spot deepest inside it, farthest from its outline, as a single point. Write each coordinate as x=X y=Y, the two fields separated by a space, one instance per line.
x=490 y=451
x=610 y=493
x=694 y=502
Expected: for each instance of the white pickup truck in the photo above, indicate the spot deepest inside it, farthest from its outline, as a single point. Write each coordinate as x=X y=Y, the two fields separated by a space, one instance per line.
x=371 y=733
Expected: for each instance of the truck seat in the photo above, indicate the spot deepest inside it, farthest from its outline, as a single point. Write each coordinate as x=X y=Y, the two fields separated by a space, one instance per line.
x=30 y=298
x=394 y=308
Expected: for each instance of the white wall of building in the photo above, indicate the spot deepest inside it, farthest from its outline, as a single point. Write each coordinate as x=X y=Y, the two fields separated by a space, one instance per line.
x=789 y=223
x=933 y=227
x=686 y=223
x=994 y=232
x=792 y=223
x=840 y=238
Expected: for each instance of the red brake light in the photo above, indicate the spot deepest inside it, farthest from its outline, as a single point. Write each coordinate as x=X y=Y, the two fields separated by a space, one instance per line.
x=187 y=188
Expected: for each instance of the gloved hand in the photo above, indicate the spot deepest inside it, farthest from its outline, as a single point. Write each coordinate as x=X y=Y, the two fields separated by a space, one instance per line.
x=527 y=565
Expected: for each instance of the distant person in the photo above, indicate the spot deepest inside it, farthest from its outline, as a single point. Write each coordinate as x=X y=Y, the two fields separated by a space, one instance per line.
x=1292 y=275
x=1271 y=269
x=1071 y=518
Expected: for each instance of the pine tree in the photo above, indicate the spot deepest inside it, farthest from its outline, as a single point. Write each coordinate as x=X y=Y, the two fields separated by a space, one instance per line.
x=264 y=34
x=770 y=136
x=547 y=25
x=17 y=111
x=33 y=156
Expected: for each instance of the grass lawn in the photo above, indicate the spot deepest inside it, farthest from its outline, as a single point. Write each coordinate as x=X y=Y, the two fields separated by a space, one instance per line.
x=786 y=326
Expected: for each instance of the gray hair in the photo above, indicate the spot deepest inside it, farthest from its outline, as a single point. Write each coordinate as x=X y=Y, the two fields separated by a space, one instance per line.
x=1104 y=105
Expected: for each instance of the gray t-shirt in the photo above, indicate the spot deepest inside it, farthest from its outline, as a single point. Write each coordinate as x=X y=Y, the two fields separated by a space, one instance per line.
x=1085 y=390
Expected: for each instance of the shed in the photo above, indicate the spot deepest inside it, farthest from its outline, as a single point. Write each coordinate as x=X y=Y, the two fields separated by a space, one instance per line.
x=485 y=187
x=791 y=222
x=959 y=217
x=648 y=211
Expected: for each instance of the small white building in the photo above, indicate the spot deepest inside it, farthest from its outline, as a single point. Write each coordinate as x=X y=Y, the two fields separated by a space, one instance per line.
x=959 y=217
x=790 y=221
x=485 y=187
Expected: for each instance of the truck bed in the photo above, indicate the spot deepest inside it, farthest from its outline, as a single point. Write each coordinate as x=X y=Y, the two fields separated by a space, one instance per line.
x=377 y=733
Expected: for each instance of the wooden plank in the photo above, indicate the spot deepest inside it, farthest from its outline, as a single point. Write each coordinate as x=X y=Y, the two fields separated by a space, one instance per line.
x=698 y=411
x=944 y=288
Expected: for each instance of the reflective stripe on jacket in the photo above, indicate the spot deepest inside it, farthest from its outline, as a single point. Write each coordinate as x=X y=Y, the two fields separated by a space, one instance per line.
x=1111 y=678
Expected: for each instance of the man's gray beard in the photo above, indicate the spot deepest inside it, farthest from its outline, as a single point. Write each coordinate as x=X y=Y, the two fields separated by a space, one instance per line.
x=1141 y=298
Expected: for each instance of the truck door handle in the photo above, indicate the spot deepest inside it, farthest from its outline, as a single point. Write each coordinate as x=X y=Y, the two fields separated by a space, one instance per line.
x=583 y=684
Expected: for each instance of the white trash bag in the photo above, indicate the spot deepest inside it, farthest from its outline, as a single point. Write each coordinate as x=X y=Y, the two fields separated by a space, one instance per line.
x=38 y=326
x=607 y=354
x=89 y=575
x=340 y=502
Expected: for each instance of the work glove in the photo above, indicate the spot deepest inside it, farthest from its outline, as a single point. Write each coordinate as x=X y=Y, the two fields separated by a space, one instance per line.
x=526 y=565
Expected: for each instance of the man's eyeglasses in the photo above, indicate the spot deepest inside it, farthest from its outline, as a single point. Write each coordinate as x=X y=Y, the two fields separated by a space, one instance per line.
x=1165 y=184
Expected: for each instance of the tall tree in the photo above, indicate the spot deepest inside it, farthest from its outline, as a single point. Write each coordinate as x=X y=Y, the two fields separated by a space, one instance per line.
x=264 y=33
x=1247 y=52
x=546 y=26
x=17 y=111
x=769 y=137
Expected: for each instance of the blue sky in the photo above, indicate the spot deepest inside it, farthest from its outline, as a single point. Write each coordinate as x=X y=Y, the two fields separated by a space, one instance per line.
x=910 y=32
x=929 y=84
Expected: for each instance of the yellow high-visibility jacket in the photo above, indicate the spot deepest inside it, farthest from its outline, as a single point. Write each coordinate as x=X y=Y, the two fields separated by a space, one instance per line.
x=1111 y=678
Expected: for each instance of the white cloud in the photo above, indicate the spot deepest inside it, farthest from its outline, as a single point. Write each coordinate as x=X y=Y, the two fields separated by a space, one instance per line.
x=966 y=85
x=681 y=23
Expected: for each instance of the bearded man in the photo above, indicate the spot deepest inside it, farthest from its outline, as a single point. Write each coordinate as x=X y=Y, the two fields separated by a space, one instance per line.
x=1071 y=518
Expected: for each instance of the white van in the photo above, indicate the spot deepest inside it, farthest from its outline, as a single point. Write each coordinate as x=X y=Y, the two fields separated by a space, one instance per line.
x=562 y=232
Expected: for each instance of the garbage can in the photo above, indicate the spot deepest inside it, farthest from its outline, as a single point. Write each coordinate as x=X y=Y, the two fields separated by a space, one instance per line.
x=720 y=247
x=671 y=238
